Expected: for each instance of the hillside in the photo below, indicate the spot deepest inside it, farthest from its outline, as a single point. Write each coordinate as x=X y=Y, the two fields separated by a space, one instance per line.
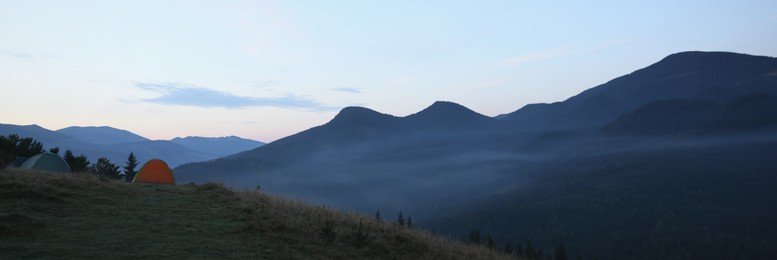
x=525 y=176
x=694 y=117
x=655 y=198
x=44 y=215
x=362 y=159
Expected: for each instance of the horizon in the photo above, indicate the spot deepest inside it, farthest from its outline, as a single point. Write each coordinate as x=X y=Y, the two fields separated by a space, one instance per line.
x=264 y=70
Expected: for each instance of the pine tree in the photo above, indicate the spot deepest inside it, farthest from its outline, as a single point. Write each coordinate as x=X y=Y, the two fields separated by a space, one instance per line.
x=401 y=220
x=13 y=145
x=530 y=253
x=490 y=242
x=508 y=249
x=129 y=169
x=7 y=151
x=377 y=216
x=77 y=163
x=561 y=253
x=409 y=222
x=28 y=147
x=474 y=236
x=519 y=251
x=104 y=167
x=54 y=150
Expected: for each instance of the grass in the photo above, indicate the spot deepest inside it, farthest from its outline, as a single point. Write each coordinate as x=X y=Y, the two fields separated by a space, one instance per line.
x=45 y=215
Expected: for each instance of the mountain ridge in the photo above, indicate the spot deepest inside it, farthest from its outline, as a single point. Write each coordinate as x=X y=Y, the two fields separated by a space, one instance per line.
x=694 y=74
x=105 y=135
x=96 y=146
x=371 y=162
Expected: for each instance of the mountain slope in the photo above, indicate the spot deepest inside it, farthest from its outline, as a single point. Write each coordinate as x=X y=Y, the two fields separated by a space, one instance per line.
x=217 y=146
x=362 y=151
x=756 y=112
x=44 y=215
x=657 y=198
x=101 y=135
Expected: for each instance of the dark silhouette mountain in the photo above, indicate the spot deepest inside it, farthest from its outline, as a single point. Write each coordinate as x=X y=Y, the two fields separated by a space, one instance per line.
x=687 y=75
x=101 y=134
x=362 y=151
x=217 y=146
x=605 y=171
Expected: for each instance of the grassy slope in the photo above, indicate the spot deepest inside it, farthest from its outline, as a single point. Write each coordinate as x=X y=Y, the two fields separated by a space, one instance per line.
x=81 y=216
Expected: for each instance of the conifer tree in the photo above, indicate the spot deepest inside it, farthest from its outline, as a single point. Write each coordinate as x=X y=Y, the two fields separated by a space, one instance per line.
x=104 y=167
x=409 y=222
x=27 y=147
x=77 y=163
x=401 y=220
x=508 y=249
x=129 y=169
x=530 y=253
x=54 y=150
x=474 y=236
x=377 y=216
x=561 y=253
x=7 y=151
x=13 y=145
x=490 y=242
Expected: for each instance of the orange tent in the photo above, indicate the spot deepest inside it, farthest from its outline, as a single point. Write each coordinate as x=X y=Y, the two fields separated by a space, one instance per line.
x=155 y=171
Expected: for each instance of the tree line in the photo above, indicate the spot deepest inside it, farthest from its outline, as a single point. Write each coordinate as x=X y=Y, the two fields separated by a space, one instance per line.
x=13 y=146
x=527 y=252
x=475 y=237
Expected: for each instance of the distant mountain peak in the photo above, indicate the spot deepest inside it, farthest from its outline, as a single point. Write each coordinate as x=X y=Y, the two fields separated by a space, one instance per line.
x=451 y=115
x=358 y=114
x=101 y=134
x=444 y=109
x=717 y=61
x=438 y=105
x=705 y=55
x=347 y=111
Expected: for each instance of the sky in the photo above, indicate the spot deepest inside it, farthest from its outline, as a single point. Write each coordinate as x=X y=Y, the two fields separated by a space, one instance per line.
x=268 y=69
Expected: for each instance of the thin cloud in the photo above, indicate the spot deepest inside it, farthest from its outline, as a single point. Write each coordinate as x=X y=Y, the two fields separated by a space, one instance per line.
x=185 y=95
x=349 y=90
x=738 y=34
x=16 y=54
x=561 y=52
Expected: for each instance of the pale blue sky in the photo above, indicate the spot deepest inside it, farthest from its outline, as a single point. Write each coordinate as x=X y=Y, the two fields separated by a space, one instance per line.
x=267 y=69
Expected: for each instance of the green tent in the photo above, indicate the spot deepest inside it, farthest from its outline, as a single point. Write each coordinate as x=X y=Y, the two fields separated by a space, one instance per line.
x=46 y=162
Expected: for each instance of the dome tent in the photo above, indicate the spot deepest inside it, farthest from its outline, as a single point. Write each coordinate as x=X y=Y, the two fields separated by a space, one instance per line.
x=154 y=171
x=46 y=162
